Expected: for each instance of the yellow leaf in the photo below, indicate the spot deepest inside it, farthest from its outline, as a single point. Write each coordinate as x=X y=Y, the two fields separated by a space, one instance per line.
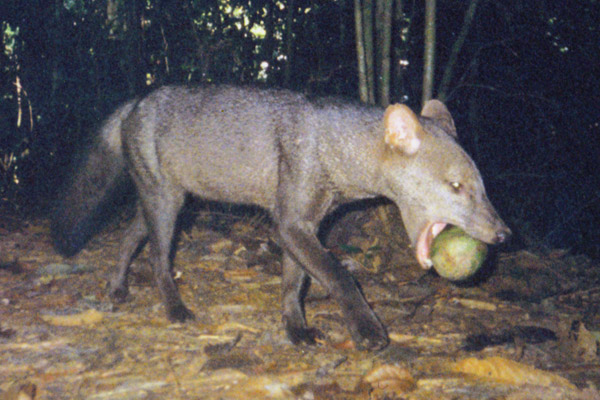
x=236 y=326
x=376 y=262
x=88 y=317
x=587 y=344
x=391 y=378
x=223 y=244
x=423 y=340
x=240 y=274
x=511 y=372
x=475 y=304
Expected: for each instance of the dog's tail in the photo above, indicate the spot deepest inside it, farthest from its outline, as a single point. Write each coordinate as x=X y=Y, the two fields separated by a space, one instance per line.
x=91 y=197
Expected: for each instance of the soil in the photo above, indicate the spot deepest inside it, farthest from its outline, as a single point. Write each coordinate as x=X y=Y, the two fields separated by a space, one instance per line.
x=526 y=327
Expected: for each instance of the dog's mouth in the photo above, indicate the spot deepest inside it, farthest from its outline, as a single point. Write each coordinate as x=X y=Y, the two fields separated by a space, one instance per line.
x=424 y=243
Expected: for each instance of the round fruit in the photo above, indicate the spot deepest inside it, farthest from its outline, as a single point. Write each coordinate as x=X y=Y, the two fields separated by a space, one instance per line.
x=456 y=255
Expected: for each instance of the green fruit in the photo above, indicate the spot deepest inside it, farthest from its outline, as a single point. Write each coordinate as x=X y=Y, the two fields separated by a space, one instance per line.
x=456 y=255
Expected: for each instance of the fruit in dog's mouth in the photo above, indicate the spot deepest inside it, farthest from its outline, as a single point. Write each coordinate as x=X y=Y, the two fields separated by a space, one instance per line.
x=455 y=255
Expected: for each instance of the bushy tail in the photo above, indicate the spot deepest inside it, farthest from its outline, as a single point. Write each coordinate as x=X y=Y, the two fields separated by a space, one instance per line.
x=92 y=194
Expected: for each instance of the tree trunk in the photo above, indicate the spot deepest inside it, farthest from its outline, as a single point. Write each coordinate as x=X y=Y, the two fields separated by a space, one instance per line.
x=369 y=53
x=363 y=90
x=383 y=23
x=460 y=40
x=429 y=56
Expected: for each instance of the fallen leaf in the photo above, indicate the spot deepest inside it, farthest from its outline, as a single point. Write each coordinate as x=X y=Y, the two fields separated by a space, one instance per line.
x=236 y=326
x=266 y=387
x=511 y=372
x=240 y=250
x=221 y=245
x=25 y=391
x=88 y=317
x=237 y=360
x=262 y=387
x=587 y=344
x=422 y=340
x=401 y=338
x=324 y=391
x=376 y=263
x=552 y=393
x=475 y=304
x=58 y=269
x=240 y=274
x=391 y=378
x=344 y=345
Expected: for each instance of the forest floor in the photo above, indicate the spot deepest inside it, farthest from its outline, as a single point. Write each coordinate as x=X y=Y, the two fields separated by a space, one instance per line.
x=527 y=328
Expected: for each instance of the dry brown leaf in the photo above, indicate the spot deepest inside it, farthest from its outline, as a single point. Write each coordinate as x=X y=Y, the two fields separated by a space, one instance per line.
x=511 y=372
x=475 y=304
x=553 y=393
x=587 y=345
x=236 y=326
x=422 y=340
x=325 y=391
x=240 y=250
x=88 y=317
x=391 y=378
x=345 y=345
x=376 y=263
x=25 y=391
x=401 y=337
x=221 y=245
x=240 y=274
x=261 y=387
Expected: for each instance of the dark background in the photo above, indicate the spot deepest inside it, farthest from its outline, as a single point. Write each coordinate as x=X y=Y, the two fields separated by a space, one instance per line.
x=524 y=92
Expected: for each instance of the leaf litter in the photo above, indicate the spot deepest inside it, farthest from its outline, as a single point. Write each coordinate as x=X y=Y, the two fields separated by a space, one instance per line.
x=528 y=328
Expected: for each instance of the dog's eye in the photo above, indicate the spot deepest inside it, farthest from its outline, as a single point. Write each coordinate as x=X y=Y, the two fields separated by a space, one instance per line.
x=456 y=186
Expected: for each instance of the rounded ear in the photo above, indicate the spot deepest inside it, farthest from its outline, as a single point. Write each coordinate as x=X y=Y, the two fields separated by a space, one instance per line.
x=403 y=131
x=437 y=111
